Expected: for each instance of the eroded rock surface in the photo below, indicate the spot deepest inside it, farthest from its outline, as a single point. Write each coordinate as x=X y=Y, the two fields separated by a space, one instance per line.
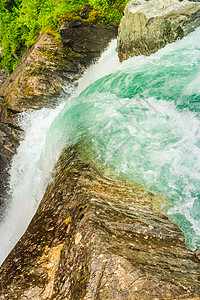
x=149 y=25
x=9 y=141
x=35 y=78
x=94 y=238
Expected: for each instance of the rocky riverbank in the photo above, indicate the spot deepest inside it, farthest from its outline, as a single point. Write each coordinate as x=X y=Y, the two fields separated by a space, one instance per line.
x=92 y=237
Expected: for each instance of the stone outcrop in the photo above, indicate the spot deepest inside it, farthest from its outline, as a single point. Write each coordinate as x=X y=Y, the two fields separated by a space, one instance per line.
x=39 y=75
x=94 y=238
x=9 y=141
x=91 y=237
x=149 y=25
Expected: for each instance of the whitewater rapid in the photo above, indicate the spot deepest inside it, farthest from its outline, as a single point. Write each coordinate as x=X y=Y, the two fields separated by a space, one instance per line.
x=139 y=118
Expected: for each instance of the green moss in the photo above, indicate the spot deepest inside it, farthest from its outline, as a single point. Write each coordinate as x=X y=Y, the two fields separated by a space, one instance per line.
x=70 y=17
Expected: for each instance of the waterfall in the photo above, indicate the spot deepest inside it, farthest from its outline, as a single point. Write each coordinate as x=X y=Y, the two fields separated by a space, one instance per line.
x=139 y=120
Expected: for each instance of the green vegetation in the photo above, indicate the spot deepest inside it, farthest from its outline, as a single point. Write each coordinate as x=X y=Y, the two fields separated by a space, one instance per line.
x=22 y=20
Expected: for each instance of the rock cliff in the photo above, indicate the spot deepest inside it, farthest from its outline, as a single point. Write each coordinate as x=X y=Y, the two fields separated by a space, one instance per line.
x=43 y=71
x=149 y=25
x=94 y=238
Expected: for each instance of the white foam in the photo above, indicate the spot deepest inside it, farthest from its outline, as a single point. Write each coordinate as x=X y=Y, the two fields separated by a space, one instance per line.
x=28 y=181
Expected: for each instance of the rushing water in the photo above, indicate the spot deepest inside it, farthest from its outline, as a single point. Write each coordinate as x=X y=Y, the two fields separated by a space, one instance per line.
x=140 y=118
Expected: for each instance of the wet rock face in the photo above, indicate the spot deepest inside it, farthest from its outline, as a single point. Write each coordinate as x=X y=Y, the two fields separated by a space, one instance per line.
x=9 y=141
x=37 y=77
x=94 y=238
x=149 y=25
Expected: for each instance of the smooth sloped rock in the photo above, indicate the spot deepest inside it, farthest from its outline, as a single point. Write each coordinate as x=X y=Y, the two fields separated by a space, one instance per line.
x=39 y=77
x=94 y=238
x=149 y=25
x=35 y=77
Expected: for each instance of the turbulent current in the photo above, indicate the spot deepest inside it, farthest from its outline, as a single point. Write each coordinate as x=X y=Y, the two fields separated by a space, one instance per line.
x=138 y=120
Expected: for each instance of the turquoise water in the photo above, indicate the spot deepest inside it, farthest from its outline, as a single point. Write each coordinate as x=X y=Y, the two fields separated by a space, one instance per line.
x=143 y=121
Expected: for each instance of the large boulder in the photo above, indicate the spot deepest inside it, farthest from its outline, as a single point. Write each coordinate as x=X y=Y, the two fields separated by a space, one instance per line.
x=95 y=238
x=149 y=25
